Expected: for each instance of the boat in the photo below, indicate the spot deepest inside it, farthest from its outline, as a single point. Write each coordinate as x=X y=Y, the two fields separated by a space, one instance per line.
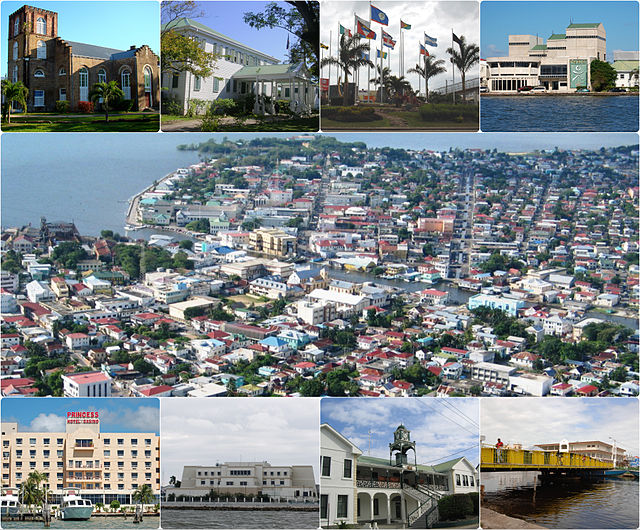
x=74 y=507
x=9 y=504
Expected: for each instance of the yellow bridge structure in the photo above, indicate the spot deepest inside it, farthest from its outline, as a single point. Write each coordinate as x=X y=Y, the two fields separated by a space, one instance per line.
x=493 y=459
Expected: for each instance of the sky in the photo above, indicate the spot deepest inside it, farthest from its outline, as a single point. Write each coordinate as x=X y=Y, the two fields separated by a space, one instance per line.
x=439 y=427
x=501 y=19
x=548 y=420
x=437 y=19
x=116 y=414
x=206 y=431
x=227 y=18
x=116 y=25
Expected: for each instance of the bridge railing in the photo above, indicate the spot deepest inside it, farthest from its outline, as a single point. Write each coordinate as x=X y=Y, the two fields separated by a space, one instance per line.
x=492 y=457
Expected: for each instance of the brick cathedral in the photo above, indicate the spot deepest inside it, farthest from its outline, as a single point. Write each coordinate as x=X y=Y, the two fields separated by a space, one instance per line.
x=54 y=69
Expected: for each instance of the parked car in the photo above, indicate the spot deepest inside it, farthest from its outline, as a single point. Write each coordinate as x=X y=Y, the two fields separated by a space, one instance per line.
x=583 y=89
x=484 y=89
x=539 y=88
x=525 y=88
x=618 y=89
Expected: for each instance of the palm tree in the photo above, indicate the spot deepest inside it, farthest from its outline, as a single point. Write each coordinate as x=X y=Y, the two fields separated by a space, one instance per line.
x=30 y=491
x=397 y=87
x=106 y=93
x=431 y=68
x=468 y=55
x=143 y=495
x=13 y=92
x=350 y=57
x=382 y=79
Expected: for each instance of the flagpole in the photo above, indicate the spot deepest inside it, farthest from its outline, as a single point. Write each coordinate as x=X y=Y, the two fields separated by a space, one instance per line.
x=453 y=71
x=419 y=80
x=369 y=67
x=330 y=39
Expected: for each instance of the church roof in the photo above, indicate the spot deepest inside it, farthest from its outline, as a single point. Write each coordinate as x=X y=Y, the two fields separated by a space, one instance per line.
x=98 y=52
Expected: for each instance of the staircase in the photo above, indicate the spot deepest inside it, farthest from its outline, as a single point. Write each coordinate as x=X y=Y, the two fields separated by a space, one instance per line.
x=426 y=514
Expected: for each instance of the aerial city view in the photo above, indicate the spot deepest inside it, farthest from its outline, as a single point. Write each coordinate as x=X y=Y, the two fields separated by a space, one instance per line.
x=321 y=205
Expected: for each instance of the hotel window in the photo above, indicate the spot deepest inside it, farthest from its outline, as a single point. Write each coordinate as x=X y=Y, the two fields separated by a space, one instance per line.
x=41 y=52
x=196 y=84
x=19 y=453
x=46 y=441
x=32 y=465
x=106 y=441
x=120 y=486
x=32 y=441
x=147 y=476
x=134 y=441
x=347 y=468
x=147 y=454
x=121 y=454
x=18 y=476
x=120 y=476
x=282 y=482
x=203 y=482
x=18 y=464
x=107 y=476
x=147 y=465
x=41 y=26
x=60 y=476
x=5 y=454
x=326 y=466
x=229 y=482
x=15 y=51
x=120 y=441
x=60 y=464
x=107 y=452
x=134 y=454
x=134 y=465
x=46 y=453
x=32 y=453
x=147 y=441
x=120 y=465
x=341 y=511
x=134 y=486
x=243 y=482
x=134 y=476
x=60 y=454
x=5 y=476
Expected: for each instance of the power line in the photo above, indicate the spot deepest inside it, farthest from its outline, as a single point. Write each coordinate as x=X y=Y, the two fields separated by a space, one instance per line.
x=450 y=405
x=453 y=454
x=423 y=402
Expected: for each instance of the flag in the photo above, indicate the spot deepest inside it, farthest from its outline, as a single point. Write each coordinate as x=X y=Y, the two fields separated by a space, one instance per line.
x=387 y=40
x=324 y=46
x=423 y=51
x=456 y=39
x=363 y=29
x=430 y=41
x=379 y=16
x=287 y=42
x=384 y=54
x=404 y=25
x=365 y=55
x=344 y=31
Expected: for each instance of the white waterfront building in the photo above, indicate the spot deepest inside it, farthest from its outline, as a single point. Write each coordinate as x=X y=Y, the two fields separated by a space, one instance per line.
x=285 y=483
x=560 y=64
x=239 y=70
x=362 y=490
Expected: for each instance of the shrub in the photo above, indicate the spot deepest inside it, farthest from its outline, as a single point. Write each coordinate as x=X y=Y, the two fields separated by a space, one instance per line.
x=348 y=114
x=475 y=500
x=283 y=107
x=62 y=107
x=85 y=107
x=210 y=123
x=124 y=105
x=244 y=104
x=449 y=112
x=220 y=107
x=457 y=506
x=171 y=105
x=197 y=106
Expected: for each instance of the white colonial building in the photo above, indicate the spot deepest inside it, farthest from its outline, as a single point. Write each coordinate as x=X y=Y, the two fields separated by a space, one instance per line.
x=560 y=64
x=358 y=489
x=239 y=70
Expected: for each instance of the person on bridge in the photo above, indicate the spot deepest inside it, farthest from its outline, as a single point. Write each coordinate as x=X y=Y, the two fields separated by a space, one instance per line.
x=499 y=451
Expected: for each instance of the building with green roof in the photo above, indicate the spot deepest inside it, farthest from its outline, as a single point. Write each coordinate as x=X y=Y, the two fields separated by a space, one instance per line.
x=362 y=489
x=239 y=71
x=561 y=64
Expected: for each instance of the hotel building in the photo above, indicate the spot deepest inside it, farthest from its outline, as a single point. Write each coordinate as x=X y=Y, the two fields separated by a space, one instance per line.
x=103 y=466
x=358 y=489
x=561 y=64
x=289 y=483
x=601 y=450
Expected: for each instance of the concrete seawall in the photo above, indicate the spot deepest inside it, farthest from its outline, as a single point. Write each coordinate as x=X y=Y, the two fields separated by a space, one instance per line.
x=240 y=506
x=491 y=519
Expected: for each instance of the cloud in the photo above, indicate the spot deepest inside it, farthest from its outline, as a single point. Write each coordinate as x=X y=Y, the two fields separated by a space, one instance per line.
x=491 y=50
x=141 y=419
x=46 y=423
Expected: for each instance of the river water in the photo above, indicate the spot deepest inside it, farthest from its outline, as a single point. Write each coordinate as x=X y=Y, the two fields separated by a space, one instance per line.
x=239 y=519
x=607 y=504
x=106 y=523
x=584 y=113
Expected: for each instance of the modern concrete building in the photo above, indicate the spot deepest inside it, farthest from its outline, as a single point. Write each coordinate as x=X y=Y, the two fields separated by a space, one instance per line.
x=593 y=448
x=507 y=304
x=287 y=483
x=358 y=489
x=238 y=71
x=87 y=384
x=559 y=64
x=104 y=466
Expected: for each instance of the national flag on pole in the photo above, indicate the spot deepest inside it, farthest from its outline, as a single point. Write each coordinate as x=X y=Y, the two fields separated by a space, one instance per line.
x=404 y=25
x=379 y=16
x=365 y=56
x=287 y=42
x=324 y=46
x=423 y=51
x=456 y=39
x=344 y=31
x=384 y=54
x=387 y=40
x=363 y=29
x=430 y=41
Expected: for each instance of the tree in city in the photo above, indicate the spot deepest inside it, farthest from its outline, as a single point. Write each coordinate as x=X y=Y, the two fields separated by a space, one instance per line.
x=143 y=495
x=350 y=57
x=464 y=59
x=181 y=53
x=106 y=94
x=114 y=505
x=603 y=75
x=397 y=88
x=431 y=67
x=381 y=79
x=13 y=92
x=301 y=20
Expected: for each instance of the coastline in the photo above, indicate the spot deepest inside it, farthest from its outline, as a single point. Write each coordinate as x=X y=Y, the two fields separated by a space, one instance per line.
x=492 y=519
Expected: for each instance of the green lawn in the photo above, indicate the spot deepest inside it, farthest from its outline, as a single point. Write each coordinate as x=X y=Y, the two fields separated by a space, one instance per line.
x=293 y=125
x=329 y=125
x=414 y=121
x=83 y=123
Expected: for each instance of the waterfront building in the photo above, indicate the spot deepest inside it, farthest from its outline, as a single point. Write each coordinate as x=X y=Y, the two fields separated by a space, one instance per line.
x=508 y=305
x=596 y=449
x=359 y=489
x=103 y=466
x=55 y=69
x=287 y=483
x=239 y=70
x=560 y=64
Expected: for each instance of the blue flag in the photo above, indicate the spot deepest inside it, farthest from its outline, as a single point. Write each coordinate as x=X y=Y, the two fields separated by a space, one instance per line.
x=430 y=41
x=379 y=16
